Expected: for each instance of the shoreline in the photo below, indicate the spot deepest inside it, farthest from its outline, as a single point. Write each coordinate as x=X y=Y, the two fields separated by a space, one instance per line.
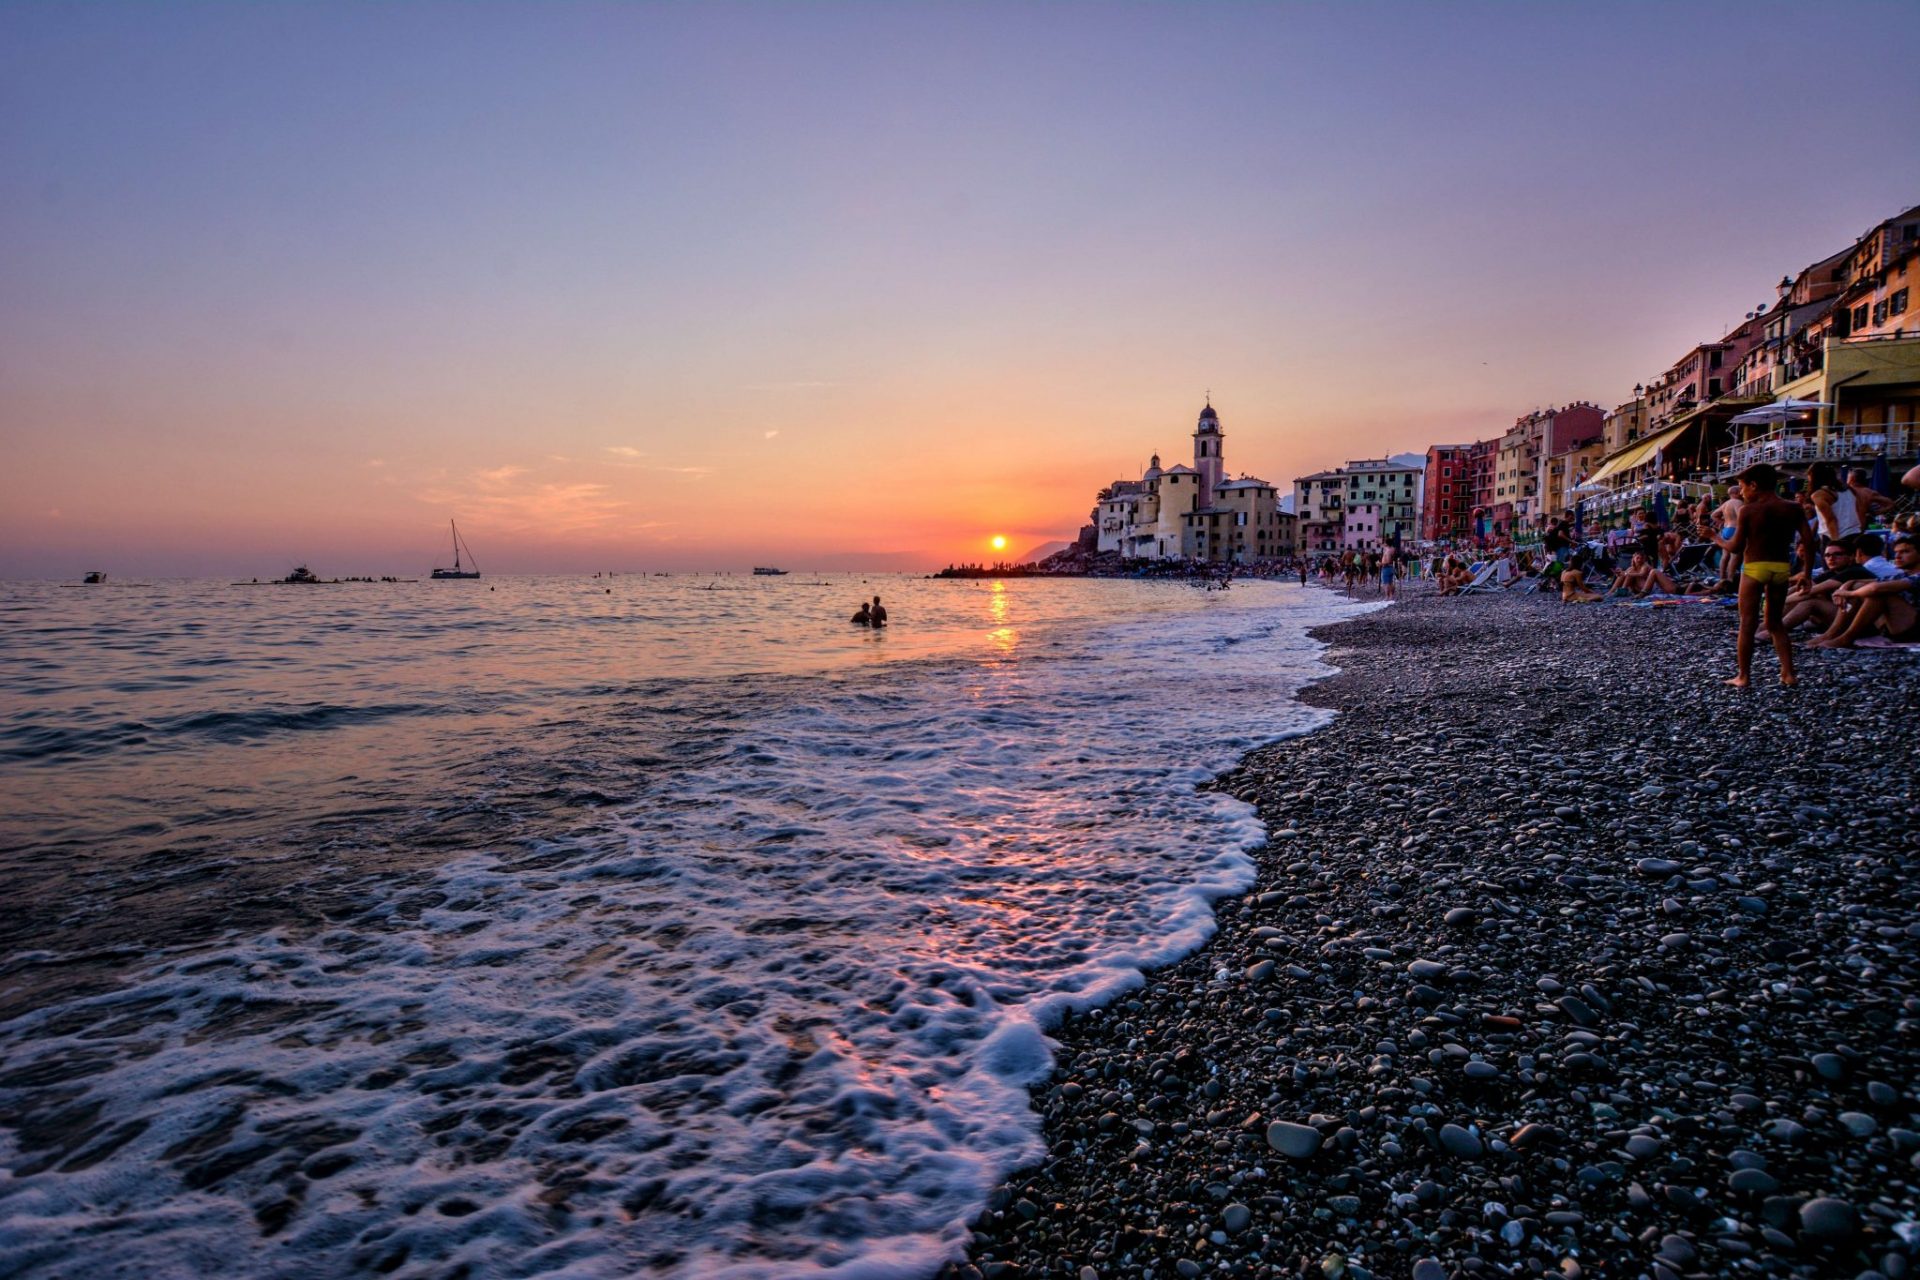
x=1562 y=958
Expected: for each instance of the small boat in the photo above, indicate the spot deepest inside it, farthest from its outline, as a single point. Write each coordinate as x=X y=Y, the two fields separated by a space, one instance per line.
x=301 y=575
x=94 y=577
x=457 y=571
x=769 y=573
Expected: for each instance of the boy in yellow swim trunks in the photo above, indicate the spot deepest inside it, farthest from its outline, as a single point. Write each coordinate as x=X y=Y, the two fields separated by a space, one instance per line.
x=1764 y=533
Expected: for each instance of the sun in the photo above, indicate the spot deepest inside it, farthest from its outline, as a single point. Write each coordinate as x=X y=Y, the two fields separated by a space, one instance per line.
x=999 y=541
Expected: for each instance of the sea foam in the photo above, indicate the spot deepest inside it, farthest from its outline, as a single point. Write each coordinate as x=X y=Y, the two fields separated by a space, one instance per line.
x=777 y=1017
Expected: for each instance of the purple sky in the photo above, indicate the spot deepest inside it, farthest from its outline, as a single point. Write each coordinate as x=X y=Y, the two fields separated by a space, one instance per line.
x=675 y=286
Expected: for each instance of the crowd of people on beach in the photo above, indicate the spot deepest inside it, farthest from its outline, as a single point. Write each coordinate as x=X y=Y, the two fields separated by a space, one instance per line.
x=1808 y=561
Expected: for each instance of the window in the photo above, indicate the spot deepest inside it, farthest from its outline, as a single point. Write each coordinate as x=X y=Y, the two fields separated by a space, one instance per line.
x=1897 y=304
x=1860 y=316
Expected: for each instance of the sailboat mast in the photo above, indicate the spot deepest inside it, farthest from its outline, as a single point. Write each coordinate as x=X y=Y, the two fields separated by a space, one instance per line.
x=456 y=544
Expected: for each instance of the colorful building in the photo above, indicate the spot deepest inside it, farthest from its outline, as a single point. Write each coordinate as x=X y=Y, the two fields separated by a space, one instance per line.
x=1447 y=497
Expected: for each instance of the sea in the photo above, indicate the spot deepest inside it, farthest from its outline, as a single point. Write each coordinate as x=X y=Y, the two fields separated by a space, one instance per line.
x=661 y=926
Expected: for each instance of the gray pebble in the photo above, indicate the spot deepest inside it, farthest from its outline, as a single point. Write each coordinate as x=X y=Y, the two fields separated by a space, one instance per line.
x=1296 y=1141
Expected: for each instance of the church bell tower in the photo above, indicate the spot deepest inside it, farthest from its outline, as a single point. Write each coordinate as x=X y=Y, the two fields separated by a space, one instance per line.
x=1206 y=454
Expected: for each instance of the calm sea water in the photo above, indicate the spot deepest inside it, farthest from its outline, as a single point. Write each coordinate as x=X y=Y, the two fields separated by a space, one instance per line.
x=647 y=926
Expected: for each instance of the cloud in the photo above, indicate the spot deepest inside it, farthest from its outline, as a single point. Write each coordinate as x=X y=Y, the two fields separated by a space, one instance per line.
x=625 y=451
x=771 y=434
x=374 y=462
x=499 y=476
x=499 y=497
x=800 y=385
x=692 y=473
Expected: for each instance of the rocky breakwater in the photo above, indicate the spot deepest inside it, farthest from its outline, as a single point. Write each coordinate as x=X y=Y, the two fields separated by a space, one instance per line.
x=1564 y=960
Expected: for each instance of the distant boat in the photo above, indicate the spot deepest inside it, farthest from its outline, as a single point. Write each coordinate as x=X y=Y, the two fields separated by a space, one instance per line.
x=94 y=577
x=301 y=575
x=769 y=573
x=458 y=545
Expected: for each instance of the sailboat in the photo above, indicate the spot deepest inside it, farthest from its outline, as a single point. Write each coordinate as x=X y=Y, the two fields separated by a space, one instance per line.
x=458 y=546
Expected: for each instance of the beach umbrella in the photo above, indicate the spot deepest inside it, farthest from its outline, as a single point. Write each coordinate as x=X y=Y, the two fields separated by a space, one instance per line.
x=1779 y=411
x=1882 y=475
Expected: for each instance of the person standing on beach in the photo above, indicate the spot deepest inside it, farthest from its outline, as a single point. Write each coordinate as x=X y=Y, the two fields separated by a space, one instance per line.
x=1764 y=534
x=1386 y=572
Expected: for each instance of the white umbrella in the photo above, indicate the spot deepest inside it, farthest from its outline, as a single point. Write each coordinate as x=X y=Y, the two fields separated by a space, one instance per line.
x=1780 y=411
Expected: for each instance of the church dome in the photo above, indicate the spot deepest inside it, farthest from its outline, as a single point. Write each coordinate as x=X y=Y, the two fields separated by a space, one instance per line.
x=1208 y=415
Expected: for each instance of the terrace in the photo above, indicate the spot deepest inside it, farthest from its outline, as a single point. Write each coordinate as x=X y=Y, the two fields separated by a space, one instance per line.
x=1796 y=442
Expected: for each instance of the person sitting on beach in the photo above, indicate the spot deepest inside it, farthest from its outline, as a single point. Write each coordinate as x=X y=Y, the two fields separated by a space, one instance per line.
x=1765 y=534
x=878 y=613
x=1870 y=550
x=1890 y=606
x=1574 y=588
x=1669 y=545
x=1641 y=578
x=1812 y=601
x=861 y=617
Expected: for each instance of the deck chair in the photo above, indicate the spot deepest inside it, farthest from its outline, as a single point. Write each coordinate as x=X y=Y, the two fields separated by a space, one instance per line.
x=1483 y=580
x=1690 y=566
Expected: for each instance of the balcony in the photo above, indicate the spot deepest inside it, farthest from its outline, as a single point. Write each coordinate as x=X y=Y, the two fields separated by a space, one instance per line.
x=1799 y=443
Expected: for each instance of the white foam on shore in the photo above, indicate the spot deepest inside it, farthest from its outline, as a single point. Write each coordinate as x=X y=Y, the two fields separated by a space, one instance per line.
x=779 y=1024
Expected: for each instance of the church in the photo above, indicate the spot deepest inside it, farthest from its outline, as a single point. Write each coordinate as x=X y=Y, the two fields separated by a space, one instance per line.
x=1193 y=512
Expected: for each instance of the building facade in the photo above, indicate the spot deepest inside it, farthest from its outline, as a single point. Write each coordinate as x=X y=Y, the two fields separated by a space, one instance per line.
x=1447 y=499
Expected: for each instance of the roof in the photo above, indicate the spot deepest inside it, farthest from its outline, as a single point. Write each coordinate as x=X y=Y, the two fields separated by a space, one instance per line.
x=1179 y=469
x=1244 y=482
x=1208 y=415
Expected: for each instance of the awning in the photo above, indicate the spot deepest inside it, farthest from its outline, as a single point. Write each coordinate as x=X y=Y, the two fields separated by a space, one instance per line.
x=1636 y=454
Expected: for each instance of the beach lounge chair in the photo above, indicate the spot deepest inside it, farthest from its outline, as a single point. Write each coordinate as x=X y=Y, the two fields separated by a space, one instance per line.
x=1690 y=566
x=1483 y=579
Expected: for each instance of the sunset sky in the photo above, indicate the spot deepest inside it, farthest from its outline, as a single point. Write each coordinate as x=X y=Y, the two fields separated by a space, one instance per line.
x=705 y=286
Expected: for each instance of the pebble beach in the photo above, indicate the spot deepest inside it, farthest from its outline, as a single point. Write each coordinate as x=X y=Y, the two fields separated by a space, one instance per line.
x=1564 y=959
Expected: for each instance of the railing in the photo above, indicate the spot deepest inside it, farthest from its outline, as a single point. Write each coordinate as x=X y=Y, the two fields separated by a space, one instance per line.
x=1801 y=443
x=1632 y=497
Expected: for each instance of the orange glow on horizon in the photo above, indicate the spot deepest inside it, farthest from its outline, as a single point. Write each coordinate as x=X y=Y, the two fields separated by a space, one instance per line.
x=999 y=541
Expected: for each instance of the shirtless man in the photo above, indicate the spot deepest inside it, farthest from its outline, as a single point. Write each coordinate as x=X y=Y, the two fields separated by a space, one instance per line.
x=1867 y=500
x=1763 y=536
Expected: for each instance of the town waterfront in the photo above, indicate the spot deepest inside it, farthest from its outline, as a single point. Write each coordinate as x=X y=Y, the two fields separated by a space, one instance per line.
x=622 y=926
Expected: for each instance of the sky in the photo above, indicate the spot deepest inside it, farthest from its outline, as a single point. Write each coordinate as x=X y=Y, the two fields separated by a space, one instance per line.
x=676 y=286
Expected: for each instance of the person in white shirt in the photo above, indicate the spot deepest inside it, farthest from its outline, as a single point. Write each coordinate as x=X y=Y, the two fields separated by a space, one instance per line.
x=1871 y=550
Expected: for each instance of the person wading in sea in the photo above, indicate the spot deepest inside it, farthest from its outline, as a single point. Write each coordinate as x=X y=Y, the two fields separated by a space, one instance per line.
x=879 y=613
x=1764 y=534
